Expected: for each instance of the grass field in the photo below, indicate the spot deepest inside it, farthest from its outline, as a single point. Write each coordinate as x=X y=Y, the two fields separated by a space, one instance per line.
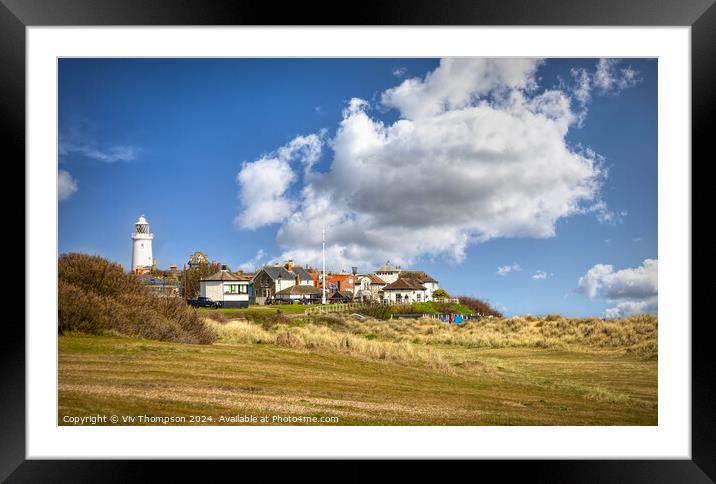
x=371 y=373
x=284 y=308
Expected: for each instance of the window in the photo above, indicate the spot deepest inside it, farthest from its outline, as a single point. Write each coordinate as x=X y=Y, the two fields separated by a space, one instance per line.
x=231 y=288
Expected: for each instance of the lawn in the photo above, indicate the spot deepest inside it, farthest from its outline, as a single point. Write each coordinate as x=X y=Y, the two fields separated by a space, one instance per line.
x=112 y=375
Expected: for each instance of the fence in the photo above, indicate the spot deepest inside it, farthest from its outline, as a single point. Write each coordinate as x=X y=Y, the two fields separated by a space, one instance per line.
x=348 y=307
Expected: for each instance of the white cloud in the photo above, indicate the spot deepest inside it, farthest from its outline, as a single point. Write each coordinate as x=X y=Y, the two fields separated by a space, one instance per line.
x=633 y=290
x=504 y=270
x=107 y=155
x=255 y=262
x=399 y=71
x=477 y=153
x=66 y=185
x=263 y=183
x=608 y=77
x=457 y=83
x=538 y=275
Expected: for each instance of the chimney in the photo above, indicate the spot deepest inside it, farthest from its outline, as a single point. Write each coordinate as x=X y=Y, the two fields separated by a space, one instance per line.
x=224 y=268
x=289 y=265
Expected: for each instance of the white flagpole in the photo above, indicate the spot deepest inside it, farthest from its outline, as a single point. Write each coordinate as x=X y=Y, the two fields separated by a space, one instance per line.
x=323 y=273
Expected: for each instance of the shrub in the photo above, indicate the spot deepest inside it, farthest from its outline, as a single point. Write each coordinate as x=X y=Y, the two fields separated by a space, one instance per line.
x=479 y=306
x=96 y=296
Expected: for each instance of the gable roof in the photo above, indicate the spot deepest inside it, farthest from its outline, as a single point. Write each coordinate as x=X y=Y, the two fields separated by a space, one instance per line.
x=222 y=276
x=302 y=273
x=375 y=279
x=275 y=271
x=299 y=291
x=341 y=295
x=419 y=276
x=388 y=267
x=405 y=283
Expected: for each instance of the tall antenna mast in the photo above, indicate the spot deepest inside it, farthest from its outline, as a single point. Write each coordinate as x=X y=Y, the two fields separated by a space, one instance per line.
x=323 y=273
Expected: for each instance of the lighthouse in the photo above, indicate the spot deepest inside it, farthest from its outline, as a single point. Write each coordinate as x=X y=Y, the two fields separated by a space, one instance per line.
x=142 y=246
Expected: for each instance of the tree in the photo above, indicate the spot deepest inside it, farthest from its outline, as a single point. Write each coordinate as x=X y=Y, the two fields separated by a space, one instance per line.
x=440 y=294
x=192 y=276
x=479 y=306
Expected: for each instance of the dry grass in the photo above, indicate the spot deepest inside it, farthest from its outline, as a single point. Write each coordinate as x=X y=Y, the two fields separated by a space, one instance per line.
x=322 y=338
x=502 y=386
x=635 y=335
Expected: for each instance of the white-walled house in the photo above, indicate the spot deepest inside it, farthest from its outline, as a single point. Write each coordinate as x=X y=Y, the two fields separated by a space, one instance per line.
x=404 y=290
x=388 y=272
x=231 y=290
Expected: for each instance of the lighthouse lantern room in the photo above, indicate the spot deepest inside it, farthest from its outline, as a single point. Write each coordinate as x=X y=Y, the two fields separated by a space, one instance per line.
x=142 y=259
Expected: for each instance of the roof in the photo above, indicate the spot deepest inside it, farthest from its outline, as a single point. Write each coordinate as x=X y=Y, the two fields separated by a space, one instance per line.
x=342 y=295
x=299 y=291
x=275 y=271
x=222 y=276
x=419 y=276
x=375 y=279
x=157 y=281
x=388 y=267
x=405 y=283
x=302 y=273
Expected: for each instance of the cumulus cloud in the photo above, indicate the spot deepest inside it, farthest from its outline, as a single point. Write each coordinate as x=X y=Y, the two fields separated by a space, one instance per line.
x=255 y=262
x=263 y=183
x=478 y=152
x=66 y=185
x=504 y=270
x=633 y=290
x=538 y=275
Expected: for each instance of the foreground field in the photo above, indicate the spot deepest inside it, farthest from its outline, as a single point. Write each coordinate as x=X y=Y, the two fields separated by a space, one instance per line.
x=368 y=373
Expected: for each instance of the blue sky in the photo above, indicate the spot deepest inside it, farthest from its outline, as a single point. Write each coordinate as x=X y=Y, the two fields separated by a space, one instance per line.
x=168 y=137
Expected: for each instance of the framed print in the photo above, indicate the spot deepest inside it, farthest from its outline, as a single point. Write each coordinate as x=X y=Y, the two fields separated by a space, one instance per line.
x=418 y=233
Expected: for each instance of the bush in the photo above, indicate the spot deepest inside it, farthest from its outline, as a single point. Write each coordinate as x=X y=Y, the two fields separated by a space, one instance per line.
x=479 y=306
x=96 y=296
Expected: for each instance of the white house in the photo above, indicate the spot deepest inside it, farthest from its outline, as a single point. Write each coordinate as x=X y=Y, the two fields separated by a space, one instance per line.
x=404 y=290
x=388 y=272
x=231 y=290
x=424 y=279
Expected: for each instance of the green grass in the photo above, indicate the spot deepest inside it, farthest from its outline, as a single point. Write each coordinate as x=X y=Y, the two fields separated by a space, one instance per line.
x=486 y=386
x=284 y=308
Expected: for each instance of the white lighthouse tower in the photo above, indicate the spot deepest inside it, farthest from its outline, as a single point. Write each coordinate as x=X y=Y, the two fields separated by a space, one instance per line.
x=141 y=246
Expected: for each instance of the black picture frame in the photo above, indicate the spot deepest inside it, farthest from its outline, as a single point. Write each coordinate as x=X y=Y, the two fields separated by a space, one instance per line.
x=700 y=15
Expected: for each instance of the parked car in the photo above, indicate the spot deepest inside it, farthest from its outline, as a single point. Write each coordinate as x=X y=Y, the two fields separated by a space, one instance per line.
x=204 y=302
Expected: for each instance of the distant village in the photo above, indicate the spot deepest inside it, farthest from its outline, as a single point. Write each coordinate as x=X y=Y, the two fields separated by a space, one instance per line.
x=277 y=283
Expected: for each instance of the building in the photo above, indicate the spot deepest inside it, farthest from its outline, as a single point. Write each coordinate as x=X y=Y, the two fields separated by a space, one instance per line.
x=161 y=286
x=404 y=290
x=431 y=285
x=340 y=297
x=300 y=294
x=388 y=272
x=231 y=290
x=270 y=280
x=197 y=259
x=142 y=260
x=370 y=288
x=414 y=286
